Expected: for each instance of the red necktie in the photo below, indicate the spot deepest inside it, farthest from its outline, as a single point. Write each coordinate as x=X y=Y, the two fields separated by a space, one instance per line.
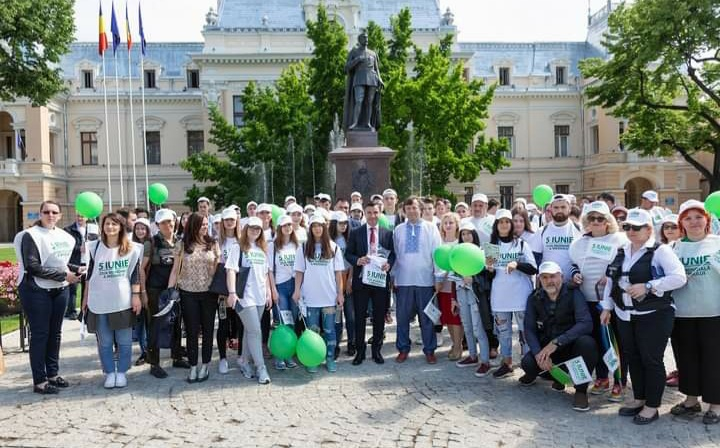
x=373 y=243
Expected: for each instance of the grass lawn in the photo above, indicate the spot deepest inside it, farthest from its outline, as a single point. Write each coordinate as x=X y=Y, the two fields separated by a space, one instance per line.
x=8 y=323
x=7 y=254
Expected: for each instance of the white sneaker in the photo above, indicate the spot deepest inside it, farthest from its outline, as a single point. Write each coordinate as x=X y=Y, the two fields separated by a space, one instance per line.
x=262 y=374
x=246 y=370
x=110 y=380
x=120 y=380
x=193 y=375
x=223 y=366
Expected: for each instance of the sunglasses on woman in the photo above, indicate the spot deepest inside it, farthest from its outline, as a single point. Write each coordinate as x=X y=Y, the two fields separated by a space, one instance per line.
x=599 y=219
x=669 y=227
x=628 y=227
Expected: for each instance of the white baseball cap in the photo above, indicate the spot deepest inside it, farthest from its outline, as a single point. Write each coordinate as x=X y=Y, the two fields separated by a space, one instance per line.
x=317 y=219
x=217 y=218
x=143 y=221
x=596 y=207
x=549 y=267
x=389 y=192
x=692 y=203
x=467 y=225
x=339 y=216
x=671 y=218
x=264 y=208
x=164 y=214
x=322 y=212
x=651 y=196
x=560 y=197
x=250 y=203
x=229 y=213
x=531 y=207
x=461 y=204
x=203 y=199
x=638 y=217
x=294 y=207
x=503 y=213
x=479 y=197
x=310 y=207
x=290 y=198
x=324 y=197
x=355 y=193
x=523 y=200
x=284 y=219
x=254 y=221
x=356 y=206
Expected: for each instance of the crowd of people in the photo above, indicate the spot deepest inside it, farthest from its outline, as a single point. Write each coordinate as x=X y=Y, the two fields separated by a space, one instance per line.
x=562 y=280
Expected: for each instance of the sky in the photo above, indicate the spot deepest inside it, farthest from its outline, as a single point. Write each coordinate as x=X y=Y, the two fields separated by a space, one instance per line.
x=477 y=20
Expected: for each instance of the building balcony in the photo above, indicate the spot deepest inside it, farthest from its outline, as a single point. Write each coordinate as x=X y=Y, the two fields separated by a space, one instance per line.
x=9 y=167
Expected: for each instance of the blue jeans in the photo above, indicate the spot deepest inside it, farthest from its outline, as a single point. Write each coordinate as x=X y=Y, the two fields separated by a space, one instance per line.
x=411 y=301
x=473 y=325
x=349 y=314
x=326 y=315
x=285 y=301
x=503 y=328
x=105 y=339
x=44 y=310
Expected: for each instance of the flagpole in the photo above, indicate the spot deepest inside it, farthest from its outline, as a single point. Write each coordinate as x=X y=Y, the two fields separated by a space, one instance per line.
x=117 y=109
x=132 y=117
x=107 y=137
x=142 y=93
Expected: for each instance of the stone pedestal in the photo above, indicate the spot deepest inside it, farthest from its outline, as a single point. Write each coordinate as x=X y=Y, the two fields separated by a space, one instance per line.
x=365 y=169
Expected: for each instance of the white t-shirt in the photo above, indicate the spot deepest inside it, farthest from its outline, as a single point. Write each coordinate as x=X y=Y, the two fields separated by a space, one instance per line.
x=510 y=291
x=109 y=287
x=301 y=234
x=226 y=247
x=256 y=291
x=592 y=256
x=553 y=242
x=319 y=288
x=284 y=262
x=483 y=226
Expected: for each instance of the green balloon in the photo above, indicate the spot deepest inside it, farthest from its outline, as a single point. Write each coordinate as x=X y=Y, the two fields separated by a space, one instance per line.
x=441 y=256
x=276 y=213
x=158 y=193
x=311 y=349
x=712 y=204
x=467 y=259
x=384 y=222
x=542 y=194
x=89 y=205
x=283 y=342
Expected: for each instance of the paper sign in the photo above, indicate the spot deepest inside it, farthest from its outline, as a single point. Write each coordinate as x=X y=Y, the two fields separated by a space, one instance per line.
x=303 y=307
x=578 y=371
x=286 y=317
x=432 y=311
x=611 y=360
x=491 y=250
x=372 y=274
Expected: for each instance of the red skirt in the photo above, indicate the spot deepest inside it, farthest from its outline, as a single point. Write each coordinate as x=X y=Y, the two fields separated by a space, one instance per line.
x=447 y=317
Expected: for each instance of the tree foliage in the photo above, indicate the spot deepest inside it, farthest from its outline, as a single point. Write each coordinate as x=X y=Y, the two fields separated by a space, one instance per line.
x=34 y=34
x=663 y=76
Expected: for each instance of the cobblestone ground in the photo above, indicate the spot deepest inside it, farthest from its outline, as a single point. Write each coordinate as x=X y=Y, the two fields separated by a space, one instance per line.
x=408 y=405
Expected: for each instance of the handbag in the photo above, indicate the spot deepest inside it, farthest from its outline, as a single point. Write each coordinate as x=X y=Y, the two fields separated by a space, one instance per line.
x=219 y=280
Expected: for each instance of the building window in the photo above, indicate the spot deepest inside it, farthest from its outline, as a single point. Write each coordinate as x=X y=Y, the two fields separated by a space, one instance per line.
x=562 y=189
x=469 y=192
x=53 y=151
x=507 y=133
x=560 y=75
x=507 y=195
x=153 y=147
x=88 y=79
x=504 y=76
x=562 y=136
x=195 y=142
x=88 y=143
x=150 y=79
x=193 y=79
x=621 y=131
x=595 y=139
x=238 y=111
x=466 y=74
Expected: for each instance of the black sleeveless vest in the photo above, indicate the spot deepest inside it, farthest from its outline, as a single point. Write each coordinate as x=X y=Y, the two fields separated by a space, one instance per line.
x=640 y=272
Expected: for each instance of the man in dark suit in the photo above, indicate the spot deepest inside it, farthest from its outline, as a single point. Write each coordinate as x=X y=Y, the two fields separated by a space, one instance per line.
x=370 y=240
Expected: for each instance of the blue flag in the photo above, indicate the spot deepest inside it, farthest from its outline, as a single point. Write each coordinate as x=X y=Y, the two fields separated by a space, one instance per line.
x=114 y=30
x=143 y=43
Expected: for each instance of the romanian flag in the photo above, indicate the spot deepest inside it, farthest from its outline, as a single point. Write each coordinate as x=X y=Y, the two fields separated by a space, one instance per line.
x=114 y=29
x=143 y=44
x=102 y=43
x=127 y=28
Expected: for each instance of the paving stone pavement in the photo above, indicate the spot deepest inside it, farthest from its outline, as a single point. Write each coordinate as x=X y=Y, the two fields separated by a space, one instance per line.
x=408 y=405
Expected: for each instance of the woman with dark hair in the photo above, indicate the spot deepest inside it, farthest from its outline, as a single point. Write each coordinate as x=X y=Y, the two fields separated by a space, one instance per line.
x=43 y=252
x=111 y=299
x=522 y=227
x=194 y=265
x=141 y=235
x=513 y=270
x=319 y=267
x=228 y=320
x=181 y=225
x=669 y=230
x=255 y=299
x=282 y=255
x=339 y=233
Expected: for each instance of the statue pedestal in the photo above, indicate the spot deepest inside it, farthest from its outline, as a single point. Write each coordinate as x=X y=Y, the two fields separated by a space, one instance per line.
x=365 y=169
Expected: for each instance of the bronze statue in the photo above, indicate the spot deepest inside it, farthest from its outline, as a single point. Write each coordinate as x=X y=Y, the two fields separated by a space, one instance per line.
x=362 y=93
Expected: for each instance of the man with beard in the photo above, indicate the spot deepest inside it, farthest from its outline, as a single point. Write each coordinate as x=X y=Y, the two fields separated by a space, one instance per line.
x=552 y=242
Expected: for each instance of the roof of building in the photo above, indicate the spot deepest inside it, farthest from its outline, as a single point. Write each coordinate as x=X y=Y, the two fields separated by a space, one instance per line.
x=527 y=58
x=172 y=57
x=289 y=14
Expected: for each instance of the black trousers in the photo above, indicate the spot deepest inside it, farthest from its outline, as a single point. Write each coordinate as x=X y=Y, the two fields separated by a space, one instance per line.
x=696 y=343
x=198 y=310
x=644 y=338
x=226 y=329
x=153 y=351
x=601 y=370
x=44 y=310
x=380 y=299
x=583 y=346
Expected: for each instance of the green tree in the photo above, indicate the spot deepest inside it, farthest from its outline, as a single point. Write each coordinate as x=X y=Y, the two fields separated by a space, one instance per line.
x=34 y=34
x=662 y=75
